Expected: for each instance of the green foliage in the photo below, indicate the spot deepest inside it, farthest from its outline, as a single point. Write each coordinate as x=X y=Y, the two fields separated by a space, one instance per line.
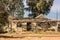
x=38 y=7
x=10 y=7
x=17 y=7
x=14 y=7
x=3 y=18
x=3 y=13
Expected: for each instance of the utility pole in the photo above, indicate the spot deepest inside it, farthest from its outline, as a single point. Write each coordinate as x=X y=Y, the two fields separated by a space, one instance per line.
x=57 y=15
x=57 y=20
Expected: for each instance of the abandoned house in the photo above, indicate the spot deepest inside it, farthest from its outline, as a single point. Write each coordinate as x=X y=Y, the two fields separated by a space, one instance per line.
x=39 y=23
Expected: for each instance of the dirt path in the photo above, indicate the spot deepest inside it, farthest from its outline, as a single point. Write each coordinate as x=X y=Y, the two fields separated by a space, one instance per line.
x=29 y=36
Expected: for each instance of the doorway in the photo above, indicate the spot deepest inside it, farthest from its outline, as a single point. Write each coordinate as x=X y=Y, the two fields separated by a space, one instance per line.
x=28 y=26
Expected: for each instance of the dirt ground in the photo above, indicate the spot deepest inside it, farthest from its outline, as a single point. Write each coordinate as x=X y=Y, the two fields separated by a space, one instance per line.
x=29 y=36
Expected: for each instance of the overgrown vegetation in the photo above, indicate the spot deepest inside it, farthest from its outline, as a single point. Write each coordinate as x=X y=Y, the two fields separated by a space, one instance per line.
x=10 y=7
x=38 y=7
x=16 y=9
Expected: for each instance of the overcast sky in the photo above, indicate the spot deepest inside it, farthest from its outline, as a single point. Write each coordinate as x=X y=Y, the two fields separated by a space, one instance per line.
x=54 y=9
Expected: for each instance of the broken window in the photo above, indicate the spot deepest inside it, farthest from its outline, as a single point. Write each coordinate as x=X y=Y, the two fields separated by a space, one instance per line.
x=19 y=24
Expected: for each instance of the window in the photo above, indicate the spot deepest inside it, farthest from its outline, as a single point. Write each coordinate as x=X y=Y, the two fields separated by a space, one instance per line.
x=19 y=24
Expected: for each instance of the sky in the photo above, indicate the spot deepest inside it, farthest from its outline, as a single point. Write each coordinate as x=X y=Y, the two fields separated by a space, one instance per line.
x=54 y=10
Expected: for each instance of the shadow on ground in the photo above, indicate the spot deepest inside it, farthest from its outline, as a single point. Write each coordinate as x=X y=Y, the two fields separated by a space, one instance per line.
x=18 y=37
x=10 y=37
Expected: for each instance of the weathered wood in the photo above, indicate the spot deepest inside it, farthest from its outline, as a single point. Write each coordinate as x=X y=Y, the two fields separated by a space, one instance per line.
x=34 y=22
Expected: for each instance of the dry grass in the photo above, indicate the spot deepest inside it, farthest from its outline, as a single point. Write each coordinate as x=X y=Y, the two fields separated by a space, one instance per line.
x=31 y=36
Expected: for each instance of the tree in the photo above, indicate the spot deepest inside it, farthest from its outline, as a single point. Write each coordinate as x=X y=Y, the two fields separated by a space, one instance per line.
x=3 y=16
x=38 y=7
x=3 y=13
x=8 y=7
x=15 y=8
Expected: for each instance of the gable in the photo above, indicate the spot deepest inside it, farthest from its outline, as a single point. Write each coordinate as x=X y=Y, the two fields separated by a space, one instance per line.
x=41 y=16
